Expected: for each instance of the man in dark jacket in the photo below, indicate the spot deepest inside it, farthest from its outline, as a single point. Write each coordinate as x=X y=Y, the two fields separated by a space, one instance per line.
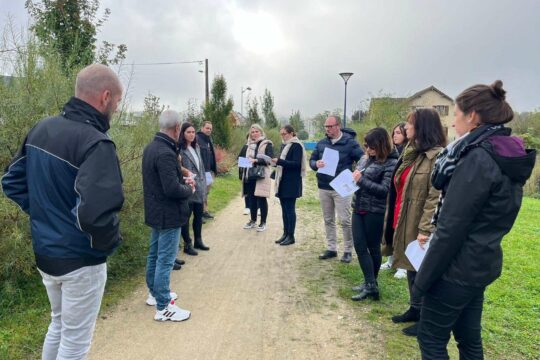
x=166 y=209
x=66 y=177
x=208 y=155
x=349 y=152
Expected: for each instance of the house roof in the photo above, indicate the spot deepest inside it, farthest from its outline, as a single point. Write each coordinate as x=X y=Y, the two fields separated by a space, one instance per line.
x=430 y=88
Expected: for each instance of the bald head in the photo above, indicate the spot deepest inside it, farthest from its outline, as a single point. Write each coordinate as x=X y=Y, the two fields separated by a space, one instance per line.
x=100 y=87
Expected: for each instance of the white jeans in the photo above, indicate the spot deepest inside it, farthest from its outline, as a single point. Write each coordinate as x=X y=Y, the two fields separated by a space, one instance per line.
x=75 y=300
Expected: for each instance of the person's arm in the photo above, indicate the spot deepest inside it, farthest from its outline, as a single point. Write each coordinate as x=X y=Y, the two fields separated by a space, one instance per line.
x=314 y=158
x=268 y=151
x=14 y=181
x=99 y=187
x=469 y=189
x=356 y=151
x=167 y=170
x=381 y=189
x=425 y=227
x=295 y=161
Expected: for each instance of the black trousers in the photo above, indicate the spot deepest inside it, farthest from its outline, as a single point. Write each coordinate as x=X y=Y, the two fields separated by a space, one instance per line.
x=367 y=232
x=255 y=202
x=197 y=210
x=449 y=308
x=288 y=213
x=415 y=299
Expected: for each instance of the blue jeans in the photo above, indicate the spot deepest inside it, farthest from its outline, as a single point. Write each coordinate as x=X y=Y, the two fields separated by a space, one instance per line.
x=159 y=264
x=288 y=214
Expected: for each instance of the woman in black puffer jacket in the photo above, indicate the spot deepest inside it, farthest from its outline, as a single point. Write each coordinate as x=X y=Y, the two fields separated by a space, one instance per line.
x=373 y=175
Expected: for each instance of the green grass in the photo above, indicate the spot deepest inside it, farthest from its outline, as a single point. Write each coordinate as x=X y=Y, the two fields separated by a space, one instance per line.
x=24 y=307
x=511 y=320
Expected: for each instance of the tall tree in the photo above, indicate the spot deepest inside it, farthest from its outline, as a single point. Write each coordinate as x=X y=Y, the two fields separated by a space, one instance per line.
x=253 y=112
x=267 y=104
x=296 y=121
x=68 y=28
x=217 y=110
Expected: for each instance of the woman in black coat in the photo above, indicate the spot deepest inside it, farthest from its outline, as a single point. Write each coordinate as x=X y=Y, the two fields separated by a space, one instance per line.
x=290 y=169
x=373 y=175
x=481 y=176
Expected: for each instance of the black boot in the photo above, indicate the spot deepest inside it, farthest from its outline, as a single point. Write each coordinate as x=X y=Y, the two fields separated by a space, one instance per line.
x=362 y=286
x=370 y=291
x=179 y=261
x=188 y=249
x=412 y=314
x=281 y=238
x=289 y=240
x=200 y=245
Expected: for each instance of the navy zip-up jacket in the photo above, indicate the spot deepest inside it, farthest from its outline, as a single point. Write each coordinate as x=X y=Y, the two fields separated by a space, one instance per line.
x=349 y=152
x=67 y=177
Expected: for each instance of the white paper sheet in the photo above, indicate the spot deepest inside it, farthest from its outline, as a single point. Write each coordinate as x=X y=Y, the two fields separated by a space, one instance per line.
x=416 y=254
x=344 y=183
x=209 y=178
x=331 y=160
x=244 y=162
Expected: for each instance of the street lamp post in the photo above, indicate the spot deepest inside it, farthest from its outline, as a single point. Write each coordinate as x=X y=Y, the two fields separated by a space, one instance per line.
x=242 y=90
x=345 y=76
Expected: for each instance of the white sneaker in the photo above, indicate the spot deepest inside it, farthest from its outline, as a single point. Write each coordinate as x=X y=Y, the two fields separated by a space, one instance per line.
x=250 y=225
x=151 y=301
x=400 y=274
x=246 y=211
x=261 y=227
x=172 y=313
x=386 y=266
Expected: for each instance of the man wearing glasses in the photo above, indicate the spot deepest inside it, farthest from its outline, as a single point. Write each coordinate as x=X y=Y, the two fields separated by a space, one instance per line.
x=341 y=140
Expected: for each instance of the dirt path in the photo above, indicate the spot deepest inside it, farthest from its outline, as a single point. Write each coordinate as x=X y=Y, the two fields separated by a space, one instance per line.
x=250 y=299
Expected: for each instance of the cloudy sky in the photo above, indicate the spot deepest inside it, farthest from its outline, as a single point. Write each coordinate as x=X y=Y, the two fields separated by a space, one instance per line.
x=296 y=49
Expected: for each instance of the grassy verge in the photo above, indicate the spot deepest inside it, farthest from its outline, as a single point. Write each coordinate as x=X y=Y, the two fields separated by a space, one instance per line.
x=511 y=325
x=24 y=307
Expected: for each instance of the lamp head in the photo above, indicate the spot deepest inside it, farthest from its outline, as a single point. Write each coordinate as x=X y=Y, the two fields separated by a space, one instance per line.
x=346 y=76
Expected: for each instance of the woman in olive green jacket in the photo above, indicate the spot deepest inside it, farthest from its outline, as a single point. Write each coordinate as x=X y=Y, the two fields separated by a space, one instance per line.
x=413 y=198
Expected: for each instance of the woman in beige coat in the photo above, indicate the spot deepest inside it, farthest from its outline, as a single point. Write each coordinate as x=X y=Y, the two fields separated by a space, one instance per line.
x=414 y=199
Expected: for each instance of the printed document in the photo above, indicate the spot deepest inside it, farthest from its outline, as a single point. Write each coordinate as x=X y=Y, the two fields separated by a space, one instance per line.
x=344 y=183
x=244 y=162
x=209 y=178
x=331 y=160
x=416 y=254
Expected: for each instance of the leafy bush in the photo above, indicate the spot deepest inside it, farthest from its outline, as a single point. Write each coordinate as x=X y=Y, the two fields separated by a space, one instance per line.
x=303 y=135
x=225 y=160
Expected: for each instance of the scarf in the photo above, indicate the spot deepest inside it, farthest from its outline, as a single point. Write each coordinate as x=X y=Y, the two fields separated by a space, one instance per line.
x=448 y=159
x=283 y=155
x=408 y=157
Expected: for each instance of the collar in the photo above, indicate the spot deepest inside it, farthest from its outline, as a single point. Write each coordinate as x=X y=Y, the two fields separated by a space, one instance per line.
x=433 y=152
x=78 y=110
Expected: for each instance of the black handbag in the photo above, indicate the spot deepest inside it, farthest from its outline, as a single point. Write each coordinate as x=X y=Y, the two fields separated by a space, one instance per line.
x=256 y=172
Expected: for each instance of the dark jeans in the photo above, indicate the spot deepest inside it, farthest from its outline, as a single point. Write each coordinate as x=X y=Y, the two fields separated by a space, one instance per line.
x=288 y=212
x=197 y=210
x=414 y=298
x=367 y=232
x=449 y=307
x=246 y=204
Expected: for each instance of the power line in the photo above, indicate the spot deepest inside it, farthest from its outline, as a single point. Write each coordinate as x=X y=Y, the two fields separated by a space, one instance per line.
x=170 y=63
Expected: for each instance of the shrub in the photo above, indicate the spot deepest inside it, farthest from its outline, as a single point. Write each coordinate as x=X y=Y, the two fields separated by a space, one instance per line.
x=225 y=160
x=303 y=135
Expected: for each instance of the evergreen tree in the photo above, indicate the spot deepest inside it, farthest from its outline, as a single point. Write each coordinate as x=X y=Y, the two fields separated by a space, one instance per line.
x=267 y=103
x=253 y=112
x=296 y=121
x=217 y=110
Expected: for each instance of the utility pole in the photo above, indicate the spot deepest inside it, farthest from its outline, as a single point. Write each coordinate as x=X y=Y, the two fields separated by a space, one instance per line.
x=207 y=96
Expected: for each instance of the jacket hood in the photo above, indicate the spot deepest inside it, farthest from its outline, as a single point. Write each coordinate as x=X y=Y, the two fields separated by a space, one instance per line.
x=394 y=154
x=513 y=159
x=349 y=131
x=78 y=110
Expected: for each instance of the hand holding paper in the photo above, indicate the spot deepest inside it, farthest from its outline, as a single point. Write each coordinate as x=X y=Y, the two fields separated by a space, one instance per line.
x=344 y=183
x=331 y=159
x=244 y=162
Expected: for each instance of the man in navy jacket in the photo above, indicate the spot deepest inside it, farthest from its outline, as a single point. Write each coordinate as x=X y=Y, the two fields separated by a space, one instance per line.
x=66 y=177
x=341 y=140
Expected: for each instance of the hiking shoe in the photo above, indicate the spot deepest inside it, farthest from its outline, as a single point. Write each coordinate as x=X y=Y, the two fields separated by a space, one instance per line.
x=151 y=301
x=172 y=313
x=246 y=211
x=400 y=274
x=261 y=227
x=250 y=225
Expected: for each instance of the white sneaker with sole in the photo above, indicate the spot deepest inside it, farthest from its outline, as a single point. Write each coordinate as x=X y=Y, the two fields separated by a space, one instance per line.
x=172 y=313
x=246 y=211
x=386 y=266
x=250 y=225
x=261 y=227
x=151 y=301
x=400 y=274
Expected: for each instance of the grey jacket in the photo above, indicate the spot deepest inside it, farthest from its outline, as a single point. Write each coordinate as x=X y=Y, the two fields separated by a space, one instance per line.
x=188 y=162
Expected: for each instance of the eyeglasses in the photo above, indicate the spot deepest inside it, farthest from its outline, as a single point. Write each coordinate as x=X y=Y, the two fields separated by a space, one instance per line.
x=330 y=126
